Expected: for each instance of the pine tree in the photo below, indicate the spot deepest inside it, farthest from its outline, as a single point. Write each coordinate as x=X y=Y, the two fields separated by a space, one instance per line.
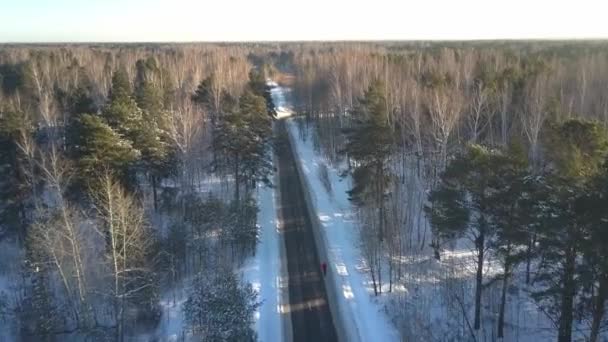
x=240 y=227
x=121 y=112
x=575 y=151
x=220 y=308
x=100 y=147
x=370 y=144
x=257 y=85
x=79 y=102
x=460 y=206
x=242 y=137
x=594 y=276
x=204 y=94
x=38 y=314
x=15 y=129
x=509 y=212
x=152 y=138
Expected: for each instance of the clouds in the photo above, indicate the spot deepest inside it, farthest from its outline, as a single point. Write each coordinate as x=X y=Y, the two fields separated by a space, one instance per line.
x=196 y=20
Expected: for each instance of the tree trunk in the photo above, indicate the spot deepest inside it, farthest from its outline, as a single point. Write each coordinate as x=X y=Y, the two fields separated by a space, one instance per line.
x=379 y=273
x=23 y=224
x=154 y=193
x=380 y=200
x=529 y=254
x=567 y=298
x=503 y=299
x=480 y=243
x=598 y=309
x=373 y=274
x=390 y=273
x=237 y=178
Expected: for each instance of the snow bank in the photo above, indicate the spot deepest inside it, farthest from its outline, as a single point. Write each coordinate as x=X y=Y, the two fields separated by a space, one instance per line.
x=363 y=313
x=279 y=97
x=262 y=271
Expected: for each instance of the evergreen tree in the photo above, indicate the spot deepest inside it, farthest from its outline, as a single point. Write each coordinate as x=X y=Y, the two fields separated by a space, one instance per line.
x=79 y=102
x=575 y=151
x=240 y=227
x=142 y=120
x=370 y=143
x=509 y=212
x=15 y=128
x=38 y=314
x=220 y=308
x=460 y=206
x=204 y=94
x=99 y=147
x=11 y=77
x=152 y=139
x=121 y=112
x=594 y=278
x=242 y=138
x=257 y=85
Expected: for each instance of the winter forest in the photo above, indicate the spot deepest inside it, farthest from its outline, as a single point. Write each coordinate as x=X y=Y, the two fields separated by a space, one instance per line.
x=457 y=191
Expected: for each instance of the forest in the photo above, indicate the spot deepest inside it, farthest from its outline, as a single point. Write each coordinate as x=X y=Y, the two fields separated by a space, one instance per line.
x=105 y=151
x=476 y=172
x=489 y=158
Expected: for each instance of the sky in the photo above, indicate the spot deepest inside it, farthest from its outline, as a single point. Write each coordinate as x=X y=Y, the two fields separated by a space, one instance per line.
x=263 y=20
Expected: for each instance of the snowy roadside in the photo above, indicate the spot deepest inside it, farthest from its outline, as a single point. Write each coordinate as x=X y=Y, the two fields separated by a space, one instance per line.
x=364 y=312
x=279 y=97
x=262 y=270
x=419 y=298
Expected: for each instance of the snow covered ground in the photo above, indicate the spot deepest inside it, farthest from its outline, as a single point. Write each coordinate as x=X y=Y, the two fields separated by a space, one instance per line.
x=423 y=304
x=171 y=325
x=10 y=266
x=433 y=299
x=364 y=314
x=263 y=270
x=280 y=98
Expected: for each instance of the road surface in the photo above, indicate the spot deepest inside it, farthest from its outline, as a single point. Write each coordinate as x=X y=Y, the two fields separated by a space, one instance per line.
x=311 y=318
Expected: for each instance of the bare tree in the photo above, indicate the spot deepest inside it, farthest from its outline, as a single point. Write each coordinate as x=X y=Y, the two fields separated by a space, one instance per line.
x=128 y=248
x=186 y=127
x=480 y=114
x=62 y=236
x=445 y=104
x=535 y=113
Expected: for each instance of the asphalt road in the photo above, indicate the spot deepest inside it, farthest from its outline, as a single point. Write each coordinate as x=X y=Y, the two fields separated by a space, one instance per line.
x=308 y=306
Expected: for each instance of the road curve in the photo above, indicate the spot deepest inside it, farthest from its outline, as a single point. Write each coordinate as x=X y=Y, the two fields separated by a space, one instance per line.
x=311 y=319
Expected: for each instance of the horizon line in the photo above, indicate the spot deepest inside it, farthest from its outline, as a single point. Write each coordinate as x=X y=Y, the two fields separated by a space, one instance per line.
x=84 y=42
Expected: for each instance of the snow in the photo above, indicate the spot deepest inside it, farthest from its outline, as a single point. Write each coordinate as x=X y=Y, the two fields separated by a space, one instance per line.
x=364 y=315
x=10 y=263
x=262 y=271
x=271 y=83
x=171 y=326
x=422 y=305
x=279 y=97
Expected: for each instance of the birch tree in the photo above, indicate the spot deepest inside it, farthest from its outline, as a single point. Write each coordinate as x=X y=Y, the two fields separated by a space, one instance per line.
x=129 y=249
